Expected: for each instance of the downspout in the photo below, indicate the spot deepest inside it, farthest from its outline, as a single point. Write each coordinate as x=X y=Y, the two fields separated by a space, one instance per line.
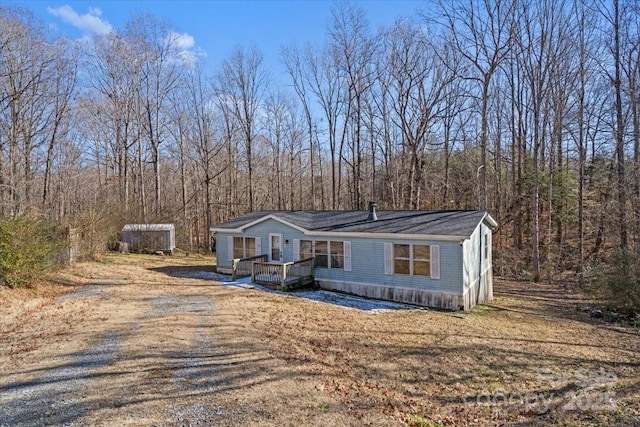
x=479 y=266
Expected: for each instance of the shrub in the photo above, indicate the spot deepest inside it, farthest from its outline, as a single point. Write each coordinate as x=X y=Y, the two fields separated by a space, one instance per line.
x=28 y=247
x=617 y=283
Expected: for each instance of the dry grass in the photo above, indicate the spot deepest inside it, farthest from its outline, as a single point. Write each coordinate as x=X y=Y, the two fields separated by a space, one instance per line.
x=263 y=358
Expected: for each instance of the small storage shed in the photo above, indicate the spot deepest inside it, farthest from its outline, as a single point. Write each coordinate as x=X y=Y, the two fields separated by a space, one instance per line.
x=150 y=237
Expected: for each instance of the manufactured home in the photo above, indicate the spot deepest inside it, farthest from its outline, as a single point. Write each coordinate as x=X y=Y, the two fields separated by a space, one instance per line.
x=429 y=258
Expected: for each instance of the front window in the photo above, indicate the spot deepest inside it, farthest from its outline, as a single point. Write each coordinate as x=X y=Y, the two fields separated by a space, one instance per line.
x=327 y=254
x=249 y=246
x=337 y=255
x=322 y=254
x=238 y=247
x=306 y=249
x=244 y=247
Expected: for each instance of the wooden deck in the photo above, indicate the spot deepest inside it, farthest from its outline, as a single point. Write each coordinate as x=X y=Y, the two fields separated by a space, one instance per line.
x=241 y=267
x=283 y=276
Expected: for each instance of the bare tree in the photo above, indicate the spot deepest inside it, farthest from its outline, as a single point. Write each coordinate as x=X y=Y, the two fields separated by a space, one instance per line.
x=354 y=53
x=244 y=82
x=27 y=63
x=156 y=45
x=619 y=123
x=293 y=61
x=112 y=69
x=327 y=87
x=481 y=32
x=62 y=90
x=420 y=81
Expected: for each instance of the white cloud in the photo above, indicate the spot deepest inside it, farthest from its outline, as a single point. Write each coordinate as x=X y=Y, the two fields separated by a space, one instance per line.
x=185 y=44
x=91 y=22
x=182 y=40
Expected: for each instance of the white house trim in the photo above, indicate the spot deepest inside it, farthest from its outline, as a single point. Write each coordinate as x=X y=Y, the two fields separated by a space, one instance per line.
x=296 y=249
x=343 y=235
x=258 y=246
x=258 y=221
x=388 y=258
x=346 y=250
x=492 y=222
x=434 y=261
x=388 y=236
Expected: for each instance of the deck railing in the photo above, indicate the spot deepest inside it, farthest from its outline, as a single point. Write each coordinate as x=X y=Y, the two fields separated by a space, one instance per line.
x=286 y=275
x=241 y=267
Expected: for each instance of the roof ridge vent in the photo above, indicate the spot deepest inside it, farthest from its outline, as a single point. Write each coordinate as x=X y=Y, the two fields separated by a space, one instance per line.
x=372 y=211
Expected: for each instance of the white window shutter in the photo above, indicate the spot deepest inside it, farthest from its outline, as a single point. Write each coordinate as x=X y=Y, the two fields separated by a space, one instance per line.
x=258 y=246
x=230 y=248
x=435 y=261
x=296 y=249
x=388 y=258
x=346 y=247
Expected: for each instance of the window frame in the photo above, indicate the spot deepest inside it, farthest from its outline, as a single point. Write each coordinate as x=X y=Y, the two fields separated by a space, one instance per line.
x=239 y=248
x=338 y=254
x=244 y=246
x=325 y=254
x=305 y=254
x=486 y=246
x=329 y=254
x=411 y=259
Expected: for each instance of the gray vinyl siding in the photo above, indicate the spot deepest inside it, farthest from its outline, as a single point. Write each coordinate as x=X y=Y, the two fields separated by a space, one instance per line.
x=367 y=258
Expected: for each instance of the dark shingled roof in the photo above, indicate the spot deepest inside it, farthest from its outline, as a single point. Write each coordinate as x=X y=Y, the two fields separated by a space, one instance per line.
x=441 y=223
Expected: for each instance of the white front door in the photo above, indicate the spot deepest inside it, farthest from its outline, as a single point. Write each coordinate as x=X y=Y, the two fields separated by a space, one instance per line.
x=275 y=247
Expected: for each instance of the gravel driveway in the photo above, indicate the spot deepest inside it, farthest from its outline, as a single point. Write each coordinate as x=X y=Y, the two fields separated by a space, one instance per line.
x=64 y=393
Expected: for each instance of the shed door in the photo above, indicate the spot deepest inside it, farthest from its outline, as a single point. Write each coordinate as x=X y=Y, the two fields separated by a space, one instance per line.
x=275 y=247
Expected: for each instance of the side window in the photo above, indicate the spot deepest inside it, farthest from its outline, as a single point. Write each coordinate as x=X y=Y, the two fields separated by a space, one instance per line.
x=486 y=246
x=412 y=259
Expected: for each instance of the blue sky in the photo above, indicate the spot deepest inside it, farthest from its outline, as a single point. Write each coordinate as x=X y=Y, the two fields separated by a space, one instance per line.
x=217 y=27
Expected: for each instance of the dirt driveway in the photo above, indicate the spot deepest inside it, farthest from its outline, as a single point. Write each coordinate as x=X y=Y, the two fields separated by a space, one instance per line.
x=143 y=340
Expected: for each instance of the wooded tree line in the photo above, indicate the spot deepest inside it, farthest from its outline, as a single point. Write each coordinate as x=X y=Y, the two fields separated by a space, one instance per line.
x=528 y=109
